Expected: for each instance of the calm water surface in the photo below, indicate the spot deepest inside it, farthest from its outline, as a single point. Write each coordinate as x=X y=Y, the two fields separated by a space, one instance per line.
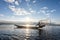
x=7 y=32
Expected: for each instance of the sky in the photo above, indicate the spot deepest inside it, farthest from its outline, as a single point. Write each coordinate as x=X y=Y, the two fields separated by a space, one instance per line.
x=30 y=10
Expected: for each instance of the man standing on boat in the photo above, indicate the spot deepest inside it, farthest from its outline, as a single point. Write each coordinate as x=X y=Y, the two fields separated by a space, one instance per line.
x=40 y=24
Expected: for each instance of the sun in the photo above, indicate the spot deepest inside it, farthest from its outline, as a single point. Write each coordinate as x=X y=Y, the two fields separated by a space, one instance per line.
x=27 y=19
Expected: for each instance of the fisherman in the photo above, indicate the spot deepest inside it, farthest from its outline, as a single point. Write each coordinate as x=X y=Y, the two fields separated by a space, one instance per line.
x=40 y=24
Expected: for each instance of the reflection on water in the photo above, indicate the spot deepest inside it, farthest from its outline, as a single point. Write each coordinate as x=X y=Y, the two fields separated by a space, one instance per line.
x=46 y=33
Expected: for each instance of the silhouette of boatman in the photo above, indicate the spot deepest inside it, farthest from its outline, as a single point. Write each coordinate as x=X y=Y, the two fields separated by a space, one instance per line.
x=40 y=24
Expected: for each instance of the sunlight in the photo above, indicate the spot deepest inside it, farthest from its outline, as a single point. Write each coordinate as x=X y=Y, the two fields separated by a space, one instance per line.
x=27 y=25
x=27 y=34
x=27 y=19
x=27 y=30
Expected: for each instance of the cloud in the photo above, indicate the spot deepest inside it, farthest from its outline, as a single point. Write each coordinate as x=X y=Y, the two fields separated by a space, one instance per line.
x=31 y=10
x=46 y=11
x=16 y=2
x=19 y=11
x=34 y=1
x=44 y=8
x=12 y=2
x=53 y=10
x=27 y=0
x=1 y=15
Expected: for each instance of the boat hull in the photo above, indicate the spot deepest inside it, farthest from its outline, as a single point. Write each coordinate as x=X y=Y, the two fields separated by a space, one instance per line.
x=30 y=27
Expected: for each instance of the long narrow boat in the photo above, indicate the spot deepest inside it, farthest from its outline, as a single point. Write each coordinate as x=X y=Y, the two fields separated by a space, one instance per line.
x=19 y=26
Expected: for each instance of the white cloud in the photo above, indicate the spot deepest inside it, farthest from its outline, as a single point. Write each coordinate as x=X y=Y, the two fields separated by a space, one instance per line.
x=27 y=0
x=42 y=11
x=34 y=1
x=31 y=10
x=19 y=11
x=10 y=1
x=12 y=8
x=44 y=8
x=1 y=15
x=16 y=2
x=53 y=10
x=46 y=11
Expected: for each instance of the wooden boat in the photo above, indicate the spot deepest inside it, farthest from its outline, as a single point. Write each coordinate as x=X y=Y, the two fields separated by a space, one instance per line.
x=40 y=26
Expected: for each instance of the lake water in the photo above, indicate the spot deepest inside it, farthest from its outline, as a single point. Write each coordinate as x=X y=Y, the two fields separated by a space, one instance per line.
x=7 y=32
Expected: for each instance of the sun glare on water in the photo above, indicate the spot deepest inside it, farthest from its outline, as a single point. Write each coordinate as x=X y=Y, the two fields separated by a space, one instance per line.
x=27 y=31
x=27 y=20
